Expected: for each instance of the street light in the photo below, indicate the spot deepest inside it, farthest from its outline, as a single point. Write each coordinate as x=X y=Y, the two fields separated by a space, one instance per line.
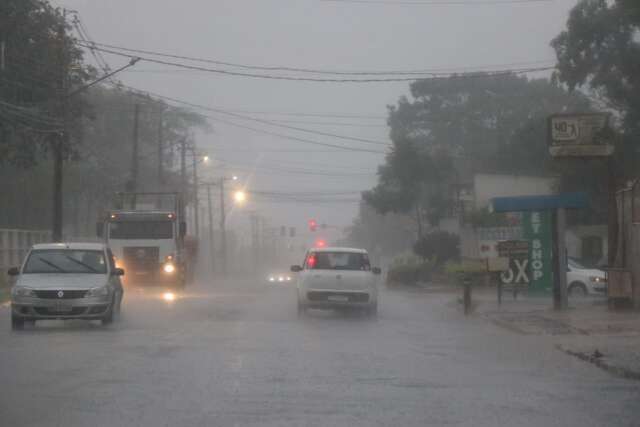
x=205 y=159
x=240 y=197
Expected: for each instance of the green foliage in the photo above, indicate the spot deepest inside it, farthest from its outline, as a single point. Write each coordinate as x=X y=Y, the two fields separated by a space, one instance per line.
x=39 y=55
x=438 y=246
x=600 y=49
x=483 y=218
x=410 y=273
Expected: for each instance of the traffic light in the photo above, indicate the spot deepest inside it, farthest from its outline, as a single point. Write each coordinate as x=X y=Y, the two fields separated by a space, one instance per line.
x=313 y=225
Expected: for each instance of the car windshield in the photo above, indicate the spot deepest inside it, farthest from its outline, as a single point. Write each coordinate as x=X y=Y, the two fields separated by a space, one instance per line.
x=141 y=230
x=337 y=261
x=65 y=261
x=575 y=264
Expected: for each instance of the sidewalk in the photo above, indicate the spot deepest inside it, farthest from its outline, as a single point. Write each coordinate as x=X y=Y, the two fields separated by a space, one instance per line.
x=587 y=330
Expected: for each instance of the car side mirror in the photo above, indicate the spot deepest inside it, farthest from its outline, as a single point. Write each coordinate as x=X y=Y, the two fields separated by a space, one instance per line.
x=117 y=272
x=376 y=270
x=296 y=268
x=13 y=271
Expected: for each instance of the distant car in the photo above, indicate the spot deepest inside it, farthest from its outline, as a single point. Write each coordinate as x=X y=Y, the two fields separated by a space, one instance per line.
x=279 y=278
x=582 y=281
x=66 y=281
x=337 y=278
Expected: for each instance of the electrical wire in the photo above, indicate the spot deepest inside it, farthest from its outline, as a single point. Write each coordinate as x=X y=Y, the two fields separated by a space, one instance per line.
x=439 y=2
x=327 y=80
x=418 y=72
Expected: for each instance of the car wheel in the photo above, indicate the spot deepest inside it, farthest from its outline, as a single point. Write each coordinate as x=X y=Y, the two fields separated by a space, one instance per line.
x=17 y=323
x=372 y=311
x=578 y=289
x=302 y=309
x=108 y=317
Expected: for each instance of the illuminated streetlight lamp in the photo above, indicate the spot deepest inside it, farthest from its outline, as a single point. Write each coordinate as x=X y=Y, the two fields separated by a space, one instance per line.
x=240 y=197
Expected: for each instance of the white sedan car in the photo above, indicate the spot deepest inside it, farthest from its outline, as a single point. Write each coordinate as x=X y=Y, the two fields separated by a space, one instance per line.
x=583 y=281
x=66 y=281
x=337 y=278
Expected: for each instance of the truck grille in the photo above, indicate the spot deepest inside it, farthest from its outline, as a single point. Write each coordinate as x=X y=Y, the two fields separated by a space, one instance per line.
x=141 y=258
x=53 y=294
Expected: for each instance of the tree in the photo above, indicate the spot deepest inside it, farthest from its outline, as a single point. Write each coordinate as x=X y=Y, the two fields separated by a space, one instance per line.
x=438 y=246
x=39 y=54
x=600 y=52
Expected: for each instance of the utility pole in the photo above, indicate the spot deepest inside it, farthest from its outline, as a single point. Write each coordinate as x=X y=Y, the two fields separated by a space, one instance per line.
x=60 y=141
x=133 y=187
x=183 y=165
x=223 y=230
x=196 y=202
x=161 y=149
x=211 y=242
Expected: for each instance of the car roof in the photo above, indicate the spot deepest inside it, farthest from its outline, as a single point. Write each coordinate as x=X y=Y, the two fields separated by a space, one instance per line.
x=89 y=246
x=338 y=249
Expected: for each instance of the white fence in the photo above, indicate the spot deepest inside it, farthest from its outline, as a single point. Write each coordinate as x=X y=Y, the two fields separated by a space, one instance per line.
x=14 y=245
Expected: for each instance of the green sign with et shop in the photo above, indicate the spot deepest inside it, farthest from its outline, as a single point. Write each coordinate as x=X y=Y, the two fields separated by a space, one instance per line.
x=536 y=228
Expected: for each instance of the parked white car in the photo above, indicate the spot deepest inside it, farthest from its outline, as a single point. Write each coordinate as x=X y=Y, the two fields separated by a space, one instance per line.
x=66 y=281
x=337 y=278
x=583 y=281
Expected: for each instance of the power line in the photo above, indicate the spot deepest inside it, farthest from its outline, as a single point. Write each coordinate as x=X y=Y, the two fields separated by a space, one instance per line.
x=418 y=72
x=327 y=80
x=439 y=2
x=230 y=123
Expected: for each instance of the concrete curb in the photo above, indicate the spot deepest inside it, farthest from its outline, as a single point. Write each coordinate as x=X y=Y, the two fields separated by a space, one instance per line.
x=618 y=371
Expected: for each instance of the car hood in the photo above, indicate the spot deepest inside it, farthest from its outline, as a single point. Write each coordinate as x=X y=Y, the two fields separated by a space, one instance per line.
x=62 y=281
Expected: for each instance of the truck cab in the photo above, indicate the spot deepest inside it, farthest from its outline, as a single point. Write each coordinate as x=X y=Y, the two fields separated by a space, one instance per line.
x=147 y=240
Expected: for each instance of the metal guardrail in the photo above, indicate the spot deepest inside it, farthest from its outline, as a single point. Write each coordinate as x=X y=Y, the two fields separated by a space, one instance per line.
x=14 y=245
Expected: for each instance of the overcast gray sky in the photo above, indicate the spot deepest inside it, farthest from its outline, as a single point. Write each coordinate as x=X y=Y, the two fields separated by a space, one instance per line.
x=312 y=34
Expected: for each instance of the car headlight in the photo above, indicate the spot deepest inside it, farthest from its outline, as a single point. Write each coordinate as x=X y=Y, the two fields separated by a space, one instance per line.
x=288 y=278
x=169 y=268
x=102 y=291
x=272 y=279
x=19 y=291
x=597 y=279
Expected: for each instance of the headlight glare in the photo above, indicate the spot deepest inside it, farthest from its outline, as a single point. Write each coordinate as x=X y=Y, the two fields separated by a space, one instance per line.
x=169 y=268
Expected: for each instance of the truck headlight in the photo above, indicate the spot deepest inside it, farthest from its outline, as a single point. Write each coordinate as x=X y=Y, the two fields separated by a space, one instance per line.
x=102 y=291
x=19 y=291
x=169 y=268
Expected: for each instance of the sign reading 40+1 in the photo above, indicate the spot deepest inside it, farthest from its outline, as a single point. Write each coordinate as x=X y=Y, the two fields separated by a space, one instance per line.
x=580 y=135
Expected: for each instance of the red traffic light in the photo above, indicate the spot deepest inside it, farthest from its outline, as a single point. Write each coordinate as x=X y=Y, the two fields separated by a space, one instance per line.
x=313 y=225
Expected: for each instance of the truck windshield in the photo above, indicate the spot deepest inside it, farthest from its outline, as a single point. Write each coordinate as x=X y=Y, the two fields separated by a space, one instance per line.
x=141 y=230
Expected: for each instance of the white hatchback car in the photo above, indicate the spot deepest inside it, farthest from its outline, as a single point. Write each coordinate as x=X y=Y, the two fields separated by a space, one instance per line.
x=337 y=278
x=582 y=281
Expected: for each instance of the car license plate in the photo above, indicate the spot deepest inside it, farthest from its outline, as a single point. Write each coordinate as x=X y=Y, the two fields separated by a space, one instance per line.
x=61 y=308
x=338 y=298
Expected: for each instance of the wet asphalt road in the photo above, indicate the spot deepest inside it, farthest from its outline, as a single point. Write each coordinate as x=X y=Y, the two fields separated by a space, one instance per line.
x=235 y=354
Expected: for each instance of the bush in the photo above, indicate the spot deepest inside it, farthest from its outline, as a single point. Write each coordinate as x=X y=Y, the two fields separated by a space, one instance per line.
x=440 y=246
x=410 y=273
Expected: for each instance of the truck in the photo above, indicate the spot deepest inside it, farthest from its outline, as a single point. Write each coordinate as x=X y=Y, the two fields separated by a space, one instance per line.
x=147 y=233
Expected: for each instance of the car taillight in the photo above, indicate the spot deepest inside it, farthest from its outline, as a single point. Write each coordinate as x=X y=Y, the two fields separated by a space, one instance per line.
x=311 y=261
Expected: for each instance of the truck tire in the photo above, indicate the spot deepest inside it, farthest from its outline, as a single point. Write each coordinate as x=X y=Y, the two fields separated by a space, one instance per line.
x=17 y=323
